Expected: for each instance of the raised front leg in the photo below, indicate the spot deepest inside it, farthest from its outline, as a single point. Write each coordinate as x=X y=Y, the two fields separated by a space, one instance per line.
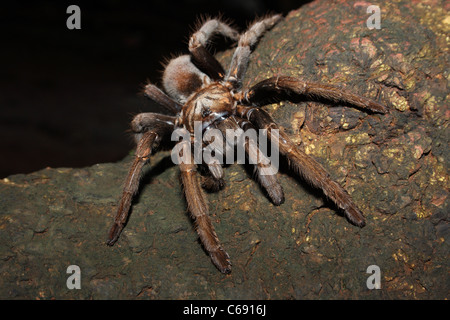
x=306 y=167
x=247 y=40
x=204 y=60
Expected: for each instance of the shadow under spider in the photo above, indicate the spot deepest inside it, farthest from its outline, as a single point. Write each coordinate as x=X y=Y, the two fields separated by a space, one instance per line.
x=285 y=169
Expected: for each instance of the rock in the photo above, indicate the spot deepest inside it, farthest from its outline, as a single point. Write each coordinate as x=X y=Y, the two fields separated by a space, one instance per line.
x=393 y=165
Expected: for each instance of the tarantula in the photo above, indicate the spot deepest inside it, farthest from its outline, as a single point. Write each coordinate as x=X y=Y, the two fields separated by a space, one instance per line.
x=197 y=88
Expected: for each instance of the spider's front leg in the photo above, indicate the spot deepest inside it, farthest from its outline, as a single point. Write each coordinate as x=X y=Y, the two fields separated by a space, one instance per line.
x=306 y=167
x=197 y=47
x=241 y=56
x=150 y=130
x=289 y=86
x=199 y=210
x=213 y=179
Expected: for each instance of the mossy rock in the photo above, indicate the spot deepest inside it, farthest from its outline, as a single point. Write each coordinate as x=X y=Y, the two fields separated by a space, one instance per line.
x=394 y=166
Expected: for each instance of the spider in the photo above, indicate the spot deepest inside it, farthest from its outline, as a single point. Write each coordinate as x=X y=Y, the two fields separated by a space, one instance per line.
x=197 y=88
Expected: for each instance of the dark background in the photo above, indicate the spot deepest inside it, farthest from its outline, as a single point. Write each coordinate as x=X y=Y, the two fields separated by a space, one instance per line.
x=67 y=96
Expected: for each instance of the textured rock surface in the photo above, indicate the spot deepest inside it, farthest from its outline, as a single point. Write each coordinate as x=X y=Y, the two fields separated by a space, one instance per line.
x=394 y=166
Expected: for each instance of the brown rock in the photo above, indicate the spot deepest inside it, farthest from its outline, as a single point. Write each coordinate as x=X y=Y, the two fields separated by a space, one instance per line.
x=394 y=166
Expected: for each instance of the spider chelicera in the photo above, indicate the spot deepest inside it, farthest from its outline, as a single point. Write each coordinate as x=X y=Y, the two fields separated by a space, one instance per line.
x=198 y=89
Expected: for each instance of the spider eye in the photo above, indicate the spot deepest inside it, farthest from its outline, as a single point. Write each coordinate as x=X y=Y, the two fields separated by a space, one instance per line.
x=206 y=112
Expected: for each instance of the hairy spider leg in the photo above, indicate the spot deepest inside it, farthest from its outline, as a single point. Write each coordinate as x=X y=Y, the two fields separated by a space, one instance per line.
x=213 y=181
x=241 y=56
x=289 y=86
x=262 y=170
x=212 y=184
x=203 y=59
x=150 y=130
x=198 y=208
x=305 y=166
x=154 y=93
x=213 y=159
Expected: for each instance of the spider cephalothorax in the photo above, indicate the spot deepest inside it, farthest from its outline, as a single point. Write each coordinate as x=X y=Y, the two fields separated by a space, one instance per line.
x=198 y=90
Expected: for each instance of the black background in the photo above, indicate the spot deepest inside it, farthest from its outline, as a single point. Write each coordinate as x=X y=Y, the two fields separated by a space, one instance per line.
x=67 y=96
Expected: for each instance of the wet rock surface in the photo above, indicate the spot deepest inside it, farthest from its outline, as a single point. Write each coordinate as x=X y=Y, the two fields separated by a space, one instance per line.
x=394 y=166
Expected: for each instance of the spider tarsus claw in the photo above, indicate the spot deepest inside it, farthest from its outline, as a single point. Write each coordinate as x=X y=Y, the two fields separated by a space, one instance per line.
x=358 y=221
x=112 y=239
x=278 y=202
x=113 y=234
x=110 y=242
x=278 y=199
x=221 y=260
x=378 y=108
x=226 y=270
